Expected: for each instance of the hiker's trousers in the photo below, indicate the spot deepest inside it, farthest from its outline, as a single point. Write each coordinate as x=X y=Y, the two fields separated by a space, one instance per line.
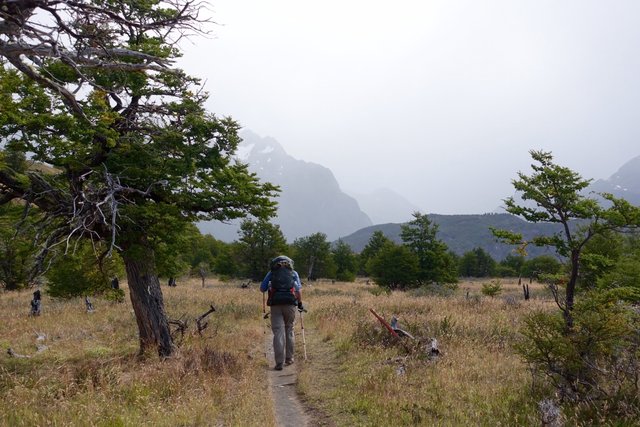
x=282 y=320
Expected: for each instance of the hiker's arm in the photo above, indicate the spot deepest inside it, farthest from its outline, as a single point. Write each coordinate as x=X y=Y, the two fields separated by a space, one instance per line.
x=264 y=286
x=297 y=287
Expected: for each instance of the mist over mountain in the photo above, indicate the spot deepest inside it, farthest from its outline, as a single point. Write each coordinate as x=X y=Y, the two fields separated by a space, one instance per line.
x=384 y=205
x=310 y=200
x=463 y=233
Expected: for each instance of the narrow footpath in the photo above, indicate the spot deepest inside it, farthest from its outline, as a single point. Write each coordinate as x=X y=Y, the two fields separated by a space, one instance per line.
x=289 y=409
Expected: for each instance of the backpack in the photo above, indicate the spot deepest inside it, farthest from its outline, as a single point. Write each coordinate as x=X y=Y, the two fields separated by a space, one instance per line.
x=282 y=290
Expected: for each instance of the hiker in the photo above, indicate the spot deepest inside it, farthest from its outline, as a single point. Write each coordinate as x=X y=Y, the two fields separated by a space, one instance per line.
x=283 y=284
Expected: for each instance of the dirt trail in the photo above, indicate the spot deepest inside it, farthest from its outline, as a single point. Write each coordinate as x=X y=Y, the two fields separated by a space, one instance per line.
x=289 y=409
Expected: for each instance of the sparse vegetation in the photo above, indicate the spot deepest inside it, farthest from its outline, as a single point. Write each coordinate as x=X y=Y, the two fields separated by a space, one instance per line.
x=360 y=375
x=90 y=373
x=356 y=373
x=492 y=289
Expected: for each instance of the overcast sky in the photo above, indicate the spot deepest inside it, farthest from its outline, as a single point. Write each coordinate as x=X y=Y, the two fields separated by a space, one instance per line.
x=439 y=101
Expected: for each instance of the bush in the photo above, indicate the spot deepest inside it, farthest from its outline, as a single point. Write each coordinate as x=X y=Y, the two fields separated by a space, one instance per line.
x=492 y=289
x=595 y=364
x=80 y=273
x=394 y=267
x=540 y=265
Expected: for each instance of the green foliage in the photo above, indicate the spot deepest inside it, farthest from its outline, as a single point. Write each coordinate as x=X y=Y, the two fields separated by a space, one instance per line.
x=492 y=288
x=555 y=195
x=345 y=261
x=435 y=263
x=376 y=242
x=477 y=263
x=136 y=158
x=595 y=363
x=312 y=255
x=226 y=262
x=173 y=252
x=203 y=252
x=260 y=241
x=510 y=266
x=16 y=247
x=395 y=267
x=598 y=257
x=625 y=273
x=82 y=273
x=540 y=266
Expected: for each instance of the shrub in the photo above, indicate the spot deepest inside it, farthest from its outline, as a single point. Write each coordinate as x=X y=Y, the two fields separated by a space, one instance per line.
x=594 y=364
x=492 y=289
x=80 y=273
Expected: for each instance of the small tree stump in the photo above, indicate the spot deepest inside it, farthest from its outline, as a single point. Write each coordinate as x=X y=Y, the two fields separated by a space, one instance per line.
x=89 y=305
x=36 y=307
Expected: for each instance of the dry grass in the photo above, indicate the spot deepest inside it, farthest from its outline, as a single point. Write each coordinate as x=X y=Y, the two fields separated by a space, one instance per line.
x=356 y=375
x=368 y=379
x=90 y=373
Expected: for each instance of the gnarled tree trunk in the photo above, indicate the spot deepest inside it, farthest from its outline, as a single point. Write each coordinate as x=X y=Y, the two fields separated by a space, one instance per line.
x=146 y=298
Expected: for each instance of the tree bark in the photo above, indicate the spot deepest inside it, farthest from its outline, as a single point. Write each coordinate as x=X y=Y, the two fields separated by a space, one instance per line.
x=147 y=301
x=571 y=289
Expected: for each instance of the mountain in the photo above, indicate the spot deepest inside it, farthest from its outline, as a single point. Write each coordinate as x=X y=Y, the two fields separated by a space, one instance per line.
x=625 y=183
x=384 y=205
x=463 y=233
x=310 y=200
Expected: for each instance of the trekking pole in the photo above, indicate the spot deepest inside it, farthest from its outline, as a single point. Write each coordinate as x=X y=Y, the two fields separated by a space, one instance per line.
x=304 y=342
x=264 y=307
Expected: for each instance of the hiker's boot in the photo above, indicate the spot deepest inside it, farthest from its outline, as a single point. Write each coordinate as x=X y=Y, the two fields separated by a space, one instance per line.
x=288 y=362
x=278 y=367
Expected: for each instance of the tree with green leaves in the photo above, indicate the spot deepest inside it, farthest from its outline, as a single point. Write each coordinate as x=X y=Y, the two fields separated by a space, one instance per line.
x=624 y=272
x=436 y=265
x=345 y=260
x=395 y=267
x=313 y=256
x=203 y=253
x=376 y=242
x=16 y=249
x=81 y=274
x=541 y=267
x=510 y=266
x=260 y=241
x=91 y=91
x=477 y=263
x=555 y=194
x=226 y=263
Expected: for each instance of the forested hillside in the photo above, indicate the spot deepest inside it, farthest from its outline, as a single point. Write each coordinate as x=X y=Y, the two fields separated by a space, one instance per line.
x=463 y=233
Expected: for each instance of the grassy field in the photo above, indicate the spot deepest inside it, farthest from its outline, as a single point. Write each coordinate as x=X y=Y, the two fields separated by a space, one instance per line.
x=90 y=373
x=360 y=376
x=356 y=374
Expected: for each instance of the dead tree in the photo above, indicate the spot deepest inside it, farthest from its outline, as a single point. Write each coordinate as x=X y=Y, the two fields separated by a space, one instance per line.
x=525 y=288
x=180 y=326
x=36 y=307
x=203 y=326
x=89 y=305
x=202 y=275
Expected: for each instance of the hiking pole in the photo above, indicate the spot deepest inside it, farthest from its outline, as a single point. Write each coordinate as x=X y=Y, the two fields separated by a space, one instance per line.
x=304 y=341
x=264 y=307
